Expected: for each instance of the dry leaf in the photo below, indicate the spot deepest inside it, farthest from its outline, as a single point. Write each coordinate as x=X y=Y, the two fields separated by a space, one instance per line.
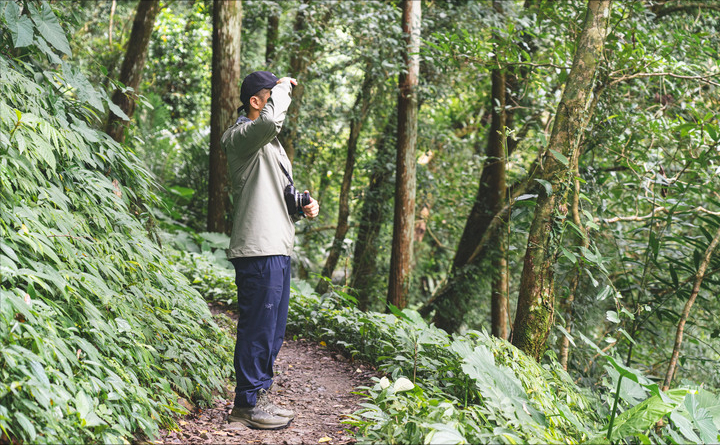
x=116 y=187
x=324 y=439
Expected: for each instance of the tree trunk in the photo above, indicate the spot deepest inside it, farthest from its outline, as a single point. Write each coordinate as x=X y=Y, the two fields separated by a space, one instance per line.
x=227 y=23
x=360 y=111
x=499 y=290
x=489 y=199
x=404 y=221
x=273 y=31
x=451 y=300
x=688 y=305
x=374 y=213
x=133 y=65
x=567 y=304
x=534 y=316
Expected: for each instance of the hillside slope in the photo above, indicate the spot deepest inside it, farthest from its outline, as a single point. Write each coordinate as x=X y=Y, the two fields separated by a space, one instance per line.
x=99 y=335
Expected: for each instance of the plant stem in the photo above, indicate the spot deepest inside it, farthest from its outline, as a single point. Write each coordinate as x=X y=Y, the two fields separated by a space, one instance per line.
x=614 y=408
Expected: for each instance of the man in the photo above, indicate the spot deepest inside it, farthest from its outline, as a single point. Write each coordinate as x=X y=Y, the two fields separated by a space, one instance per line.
x=261 y=244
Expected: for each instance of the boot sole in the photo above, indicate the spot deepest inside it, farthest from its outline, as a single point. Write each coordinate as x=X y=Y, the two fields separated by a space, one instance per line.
x=259 y=426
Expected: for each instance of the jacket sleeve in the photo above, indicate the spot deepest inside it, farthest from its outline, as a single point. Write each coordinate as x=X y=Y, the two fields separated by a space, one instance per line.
x=249 y=137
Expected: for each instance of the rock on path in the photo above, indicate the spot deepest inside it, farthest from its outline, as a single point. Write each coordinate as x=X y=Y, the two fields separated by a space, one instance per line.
x=316 y=383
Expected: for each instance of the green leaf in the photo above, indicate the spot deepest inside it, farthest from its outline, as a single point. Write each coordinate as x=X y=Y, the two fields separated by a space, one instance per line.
x=560 y=157
x=566 y=334
x=713 y=132
x=685 y=426
x=569 y=255
x=43 y=46
x=701 y=419
x=674 y=277
x=707 y=234
x=26 y=425
x=625 y=333
x=83 y=88
x=397 y=312
x=20 y=26
x=39 y=373
x=546 y=185
x=626 y=372
x=711 y=403
x=219 y=240
x=49 y=27
x=605 y=293
x=612 y=316
x=646 y=414
x=117 y=111
x=443 y=434
x=44 y=149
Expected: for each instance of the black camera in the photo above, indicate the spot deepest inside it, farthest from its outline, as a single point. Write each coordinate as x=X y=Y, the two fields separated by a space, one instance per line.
x=295 y=200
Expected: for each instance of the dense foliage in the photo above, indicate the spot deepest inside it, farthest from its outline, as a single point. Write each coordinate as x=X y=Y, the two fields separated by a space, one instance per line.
x=101 y=333
x=471 y=388
x=99 y=337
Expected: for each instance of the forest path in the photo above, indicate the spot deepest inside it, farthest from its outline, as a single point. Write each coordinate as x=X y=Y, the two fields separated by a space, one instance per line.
x=312 y=380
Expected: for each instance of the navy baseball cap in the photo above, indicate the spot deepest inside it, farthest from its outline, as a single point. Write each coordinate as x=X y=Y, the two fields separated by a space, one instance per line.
x=253 y=83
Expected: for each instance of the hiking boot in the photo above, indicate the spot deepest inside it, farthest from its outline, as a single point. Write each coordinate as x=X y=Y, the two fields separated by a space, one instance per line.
x=263 y=400
x=258 y=418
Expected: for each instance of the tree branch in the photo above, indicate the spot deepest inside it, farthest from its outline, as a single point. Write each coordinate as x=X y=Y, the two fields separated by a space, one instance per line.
x=650 y=215
x=705 y=78
x=686 y=6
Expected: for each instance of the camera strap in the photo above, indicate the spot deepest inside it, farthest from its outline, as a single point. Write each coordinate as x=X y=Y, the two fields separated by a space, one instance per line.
x=286 y=174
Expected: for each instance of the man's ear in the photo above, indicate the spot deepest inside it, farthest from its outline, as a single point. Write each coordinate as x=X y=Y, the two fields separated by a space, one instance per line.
x=255 y=102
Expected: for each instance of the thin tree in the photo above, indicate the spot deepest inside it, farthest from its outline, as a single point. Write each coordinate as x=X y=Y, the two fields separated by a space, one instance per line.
x=404 y=220
x=536 y=300
x=699 y=276
x=227 y=25
x=271 y=38
x=374 y=212
x=133 y=65
x=451 y=301
x=359 y=115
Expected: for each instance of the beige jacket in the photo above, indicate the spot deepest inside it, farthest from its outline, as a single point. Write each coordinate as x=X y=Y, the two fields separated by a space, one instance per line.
x=261 y=224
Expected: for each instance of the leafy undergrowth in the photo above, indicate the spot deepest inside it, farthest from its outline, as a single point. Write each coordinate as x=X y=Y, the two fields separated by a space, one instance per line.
x=472 y=388
x=475 y=388
x=99 y=335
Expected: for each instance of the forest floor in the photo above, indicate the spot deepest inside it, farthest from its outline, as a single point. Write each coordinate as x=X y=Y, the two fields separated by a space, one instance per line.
x=314 y=381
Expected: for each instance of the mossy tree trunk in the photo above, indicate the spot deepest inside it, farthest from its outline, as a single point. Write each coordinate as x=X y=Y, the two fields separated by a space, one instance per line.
x=536 y=300
x=227 y=26
x=133 y=65
x=404 y=220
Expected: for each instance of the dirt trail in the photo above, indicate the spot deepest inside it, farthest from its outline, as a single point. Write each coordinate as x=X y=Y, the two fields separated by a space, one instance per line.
x=315 y=382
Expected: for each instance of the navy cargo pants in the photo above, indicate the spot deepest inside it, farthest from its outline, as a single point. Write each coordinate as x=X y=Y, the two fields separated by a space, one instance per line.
x=263 y=296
